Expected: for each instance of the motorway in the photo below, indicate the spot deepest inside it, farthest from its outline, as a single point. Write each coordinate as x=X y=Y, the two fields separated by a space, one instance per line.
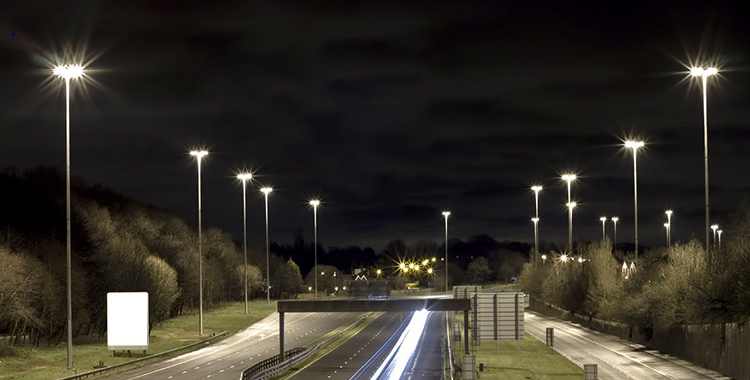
x=387 y=349
x=227 y=359
x=616 y=359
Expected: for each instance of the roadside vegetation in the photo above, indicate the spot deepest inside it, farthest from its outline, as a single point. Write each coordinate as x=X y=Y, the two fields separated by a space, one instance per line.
x=664 y=286
x=45 y=362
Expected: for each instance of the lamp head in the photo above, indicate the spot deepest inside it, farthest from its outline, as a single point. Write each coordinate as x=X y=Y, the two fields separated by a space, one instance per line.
x=668 y=212
x=315 y=203
x=536 y=188
x=535 y=220
x=569 y=177
x=402 y=266
x=446 y=213
x=266 y=190
x=199 y=153
x=603 y=219
x=425 y=262
x=666 y=225
x=718 y=232
x=571 y=205
x=69 y=71
x=712 y=71
x=634 y=144
x=544 y=257
x=244 y=176
x=429 y=270
x=564 y=257
x=696 y=71
x=378 y=272
x=434 y=259
x=615 y=219
x=580 y=259
x=715 y=227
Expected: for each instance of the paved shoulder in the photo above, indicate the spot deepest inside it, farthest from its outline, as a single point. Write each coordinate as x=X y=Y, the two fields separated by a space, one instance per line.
x=617 y=359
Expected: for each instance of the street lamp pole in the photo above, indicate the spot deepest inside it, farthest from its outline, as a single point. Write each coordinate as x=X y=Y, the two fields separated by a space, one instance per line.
x=704 y=74
x=244 y=177
x=266 y=191
x=199 y=154
x=446 y=214
x=569 y=178
x=614 y=221
x=719 y=232
x=634 y=145
x=315 y=203
x=669 y=227
x=536 y=189
x=603 y=219
x=68 y=72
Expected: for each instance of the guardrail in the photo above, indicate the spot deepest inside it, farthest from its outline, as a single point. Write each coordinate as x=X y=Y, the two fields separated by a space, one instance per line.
x=257 y=373
x=154 y=356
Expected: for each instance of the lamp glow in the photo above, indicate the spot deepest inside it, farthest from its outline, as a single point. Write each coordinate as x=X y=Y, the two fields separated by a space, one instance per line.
x=69 y=71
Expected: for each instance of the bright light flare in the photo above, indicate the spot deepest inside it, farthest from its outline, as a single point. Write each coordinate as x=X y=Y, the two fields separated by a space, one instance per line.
x=564 y=258
x=446 y=213
x=535 y=220
x=603 y=219
x=199 y=153
x=429 y=270
x=699 y=71
x=315 y=203
x=668 y=212
x=544 y=257
x=536 y=188
x=568 y=177
x=68 y=71
x=266 y=190
x=634 y=144
x=425 y=262
x=571 y=204
x=715 y=227
x=615 y=219
x=244 y=176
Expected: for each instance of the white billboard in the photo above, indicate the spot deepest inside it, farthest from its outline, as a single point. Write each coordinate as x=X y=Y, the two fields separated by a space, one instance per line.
x=127 y=321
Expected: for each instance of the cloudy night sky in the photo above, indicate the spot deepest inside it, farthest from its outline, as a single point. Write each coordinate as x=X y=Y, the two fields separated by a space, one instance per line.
x=390 y=111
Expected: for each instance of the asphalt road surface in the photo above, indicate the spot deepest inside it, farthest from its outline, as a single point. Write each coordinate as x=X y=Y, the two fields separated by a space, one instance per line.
x=616 y=359
x=343 y=362
x=227 y=359
x=360 y=357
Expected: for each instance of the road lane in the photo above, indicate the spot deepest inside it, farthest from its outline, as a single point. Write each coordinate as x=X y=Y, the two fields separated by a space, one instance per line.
x=617 y=359
x=226 y=359
x=428 y=360
x=345 y=361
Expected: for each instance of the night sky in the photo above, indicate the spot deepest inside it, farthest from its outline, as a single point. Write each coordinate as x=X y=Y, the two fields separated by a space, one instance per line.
x=390 y=111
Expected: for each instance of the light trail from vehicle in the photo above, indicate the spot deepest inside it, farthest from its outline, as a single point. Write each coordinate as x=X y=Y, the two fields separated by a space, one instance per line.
x=395 y=363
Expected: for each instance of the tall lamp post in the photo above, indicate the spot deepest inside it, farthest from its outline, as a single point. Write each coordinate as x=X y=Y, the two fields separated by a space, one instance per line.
x=603 y=219
x=719 y=232
x=704 y=74
x=199 y=154
x=315 y=203
x=536 y=189
x=446 y=214
x=569 y=178
x=669 y=227
x=614 y=221
x=714 y=228
x=68 y=72
x=266 y=191
x=571 y=206
x=634 y=145
x=244 y=177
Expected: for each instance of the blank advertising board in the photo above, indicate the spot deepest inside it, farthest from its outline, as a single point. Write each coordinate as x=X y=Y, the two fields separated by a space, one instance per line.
x=127 y=321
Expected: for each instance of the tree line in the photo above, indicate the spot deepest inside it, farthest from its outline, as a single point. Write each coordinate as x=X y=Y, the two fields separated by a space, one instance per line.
x=664 y=286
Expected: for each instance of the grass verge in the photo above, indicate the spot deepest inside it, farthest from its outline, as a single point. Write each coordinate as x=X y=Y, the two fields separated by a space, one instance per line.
x=45 y=363
x=332 y=345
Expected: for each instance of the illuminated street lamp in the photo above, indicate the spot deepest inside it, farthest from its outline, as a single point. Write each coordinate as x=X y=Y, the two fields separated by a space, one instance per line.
x=446 y=214
x=544 y=258
x=634 y=145
x=244 y=177
x=569 y=178
x=429 y=271
x=714 y=227
x=614 y=221
x=315 y=203
x=378 y=272
x=719 y=233
x=571 y=206
x=199 y=154
x=536 y=235
x=425 y=262
x=669 y=227
x=266 y=191
x=67 y=73
x=536 y=189
x=704 y=74
x=564 y=258
x=603 y=219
